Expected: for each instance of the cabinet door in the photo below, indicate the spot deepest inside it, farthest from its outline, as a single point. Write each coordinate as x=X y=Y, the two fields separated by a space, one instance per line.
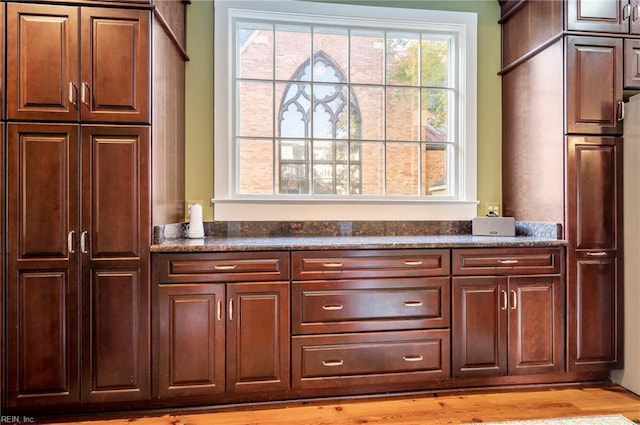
x=42 y=62
x=594 y=313
x=594 y=85
x=43 y=267
x=114 y=244
x=258 y=337
x=191 y=339
x=632 y=63
x=599 y=16
x=536 y=331
x=115 y=73
x=479 y=326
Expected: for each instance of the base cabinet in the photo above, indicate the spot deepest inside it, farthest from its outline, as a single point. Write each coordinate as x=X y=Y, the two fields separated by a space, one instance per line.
x=504 y=323
x=214 y=338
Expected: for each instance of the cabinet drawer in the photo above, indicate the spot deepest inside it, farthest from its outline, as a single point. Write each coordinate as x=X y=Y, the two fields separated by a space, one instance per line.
x=506 y=261
x=222 y=267
x=369 y=263
x=351 y=359
x=370 y=305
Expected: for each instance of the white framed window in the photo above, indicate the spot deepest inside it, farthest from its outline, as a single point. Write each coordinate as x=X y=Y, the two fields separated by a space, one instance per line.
x=343 y=112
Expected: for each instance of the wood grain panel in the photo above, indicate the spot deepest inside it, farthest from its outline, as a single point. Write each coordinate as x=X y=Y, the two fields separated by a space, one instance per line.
x=258 y=337
x=479 y=326
x=191 y=340
x=42 y=44
x=632 y=64
x=115 y=75
x=598 y=16
x=594 y=85
x=116 y=341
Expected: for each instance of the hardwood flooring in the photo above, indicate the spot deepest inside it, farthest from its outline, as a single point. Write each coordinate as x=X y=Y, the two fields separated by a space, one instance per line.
x=423 y=409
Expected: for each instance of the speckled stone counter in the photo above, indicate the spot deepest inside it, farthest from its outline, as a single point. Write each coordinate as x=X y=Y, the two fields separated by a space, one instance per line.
x=252 y=236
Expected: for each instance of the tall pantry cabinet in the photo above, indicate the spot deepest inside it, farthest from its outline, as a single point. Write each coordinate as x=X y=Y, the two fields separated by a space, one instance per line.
x=563 y=81
x=80 y=182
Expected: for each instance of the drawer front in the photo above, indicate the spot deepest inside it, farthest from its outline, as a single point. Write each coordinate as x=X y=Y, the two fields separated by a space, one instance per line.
x=507 y=261
x=369 y=263
x=222 y=267
x=370 y=305
x=337 y=360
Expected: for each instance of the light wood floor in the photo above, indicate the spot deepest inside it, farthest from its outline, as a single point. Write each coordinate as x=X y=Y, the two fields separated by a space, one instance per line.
x=452 y=408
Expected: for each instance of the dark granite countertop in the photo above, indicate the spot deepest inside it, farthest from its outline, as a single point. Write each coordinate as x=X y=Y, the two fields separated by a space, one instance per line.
x=252 y=236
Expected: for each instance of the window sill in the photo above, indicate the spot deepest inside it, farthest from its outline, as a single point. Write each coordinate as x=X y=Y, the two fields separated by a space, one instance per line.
x=284 y=210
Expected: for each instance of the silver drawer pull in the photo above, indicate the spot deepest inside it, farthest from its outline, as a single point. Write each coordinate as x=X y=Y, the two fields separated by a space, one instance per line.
x=508 y=261
x=412 y=358
x=412 y=262
x=332 y=265
x=412 y=303
x=225 y=267
x=597 y=254
x=332 y=307
x=332 y=363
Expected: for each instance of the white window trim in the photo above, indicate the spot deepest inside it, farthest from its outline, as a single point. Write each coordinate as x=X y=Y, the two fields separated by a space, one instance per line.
x=233 y=207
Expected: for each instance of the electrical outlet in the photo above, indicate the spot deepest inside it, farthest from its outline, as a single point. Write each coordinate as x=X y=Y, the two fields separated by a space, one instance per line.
x=188 y=204
x=493 y=209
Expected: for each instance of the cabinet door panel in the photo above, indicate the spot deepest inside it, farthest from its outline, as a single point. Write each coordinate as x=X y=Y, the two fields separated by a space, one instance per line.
x=594 y=85
x=42 y=264
x=606 y=16
x=632 y=63
x=116 y=184
x=116 y=337
x=191 y=340
x=258 y=337
x=479 y=326
x=42 y=341
x=115 y=65
x=42 y=57
x=536 y=331
x=594 y=315
x=594 y=191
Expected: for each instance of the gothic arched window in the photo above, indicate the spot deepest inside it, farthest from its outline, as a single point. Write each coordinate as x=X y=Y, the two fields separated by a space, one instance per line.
x=317 y=122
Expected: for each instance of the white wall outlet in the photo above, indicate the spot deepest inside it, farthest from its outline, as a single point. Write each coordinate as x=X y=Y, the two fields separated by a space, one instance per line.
x=493 y=209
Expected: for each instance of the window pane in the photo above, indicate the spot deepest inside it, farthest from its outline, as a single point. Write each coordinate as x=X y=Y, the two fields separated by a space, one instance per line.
x=293 y=48
x=435 y=61
x=402 y=113
x=293 y=178
x=435 y=170
x=402 y=168
x=369 y=111
x=255 y=106
x=367 y=57
x=323 y=150
x=255 y=45
x=336 y=41
x=323 y=179
x=255 y=166
x=372 y=168
x=330 y=111
x=293 y=150
x=402 y=59
x=435 y=115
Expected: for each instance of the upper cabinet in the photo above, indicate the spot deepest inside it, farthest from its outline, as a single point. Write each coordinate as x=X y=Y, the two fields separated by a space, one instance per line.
x=616 y=16
x=67 y=63
x=594 y=78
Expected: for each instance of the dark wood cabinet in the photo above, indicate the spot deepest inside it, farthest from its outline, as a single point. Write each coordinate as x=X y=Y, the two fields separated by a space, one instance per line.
x=511 y=322
x=616 y=16
x=595 y=276
x=190 y=340
x=78 y=63
x=594 y=85
x=74 y=287
x=370 y=317
x=571 y=173
x=205 y=305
